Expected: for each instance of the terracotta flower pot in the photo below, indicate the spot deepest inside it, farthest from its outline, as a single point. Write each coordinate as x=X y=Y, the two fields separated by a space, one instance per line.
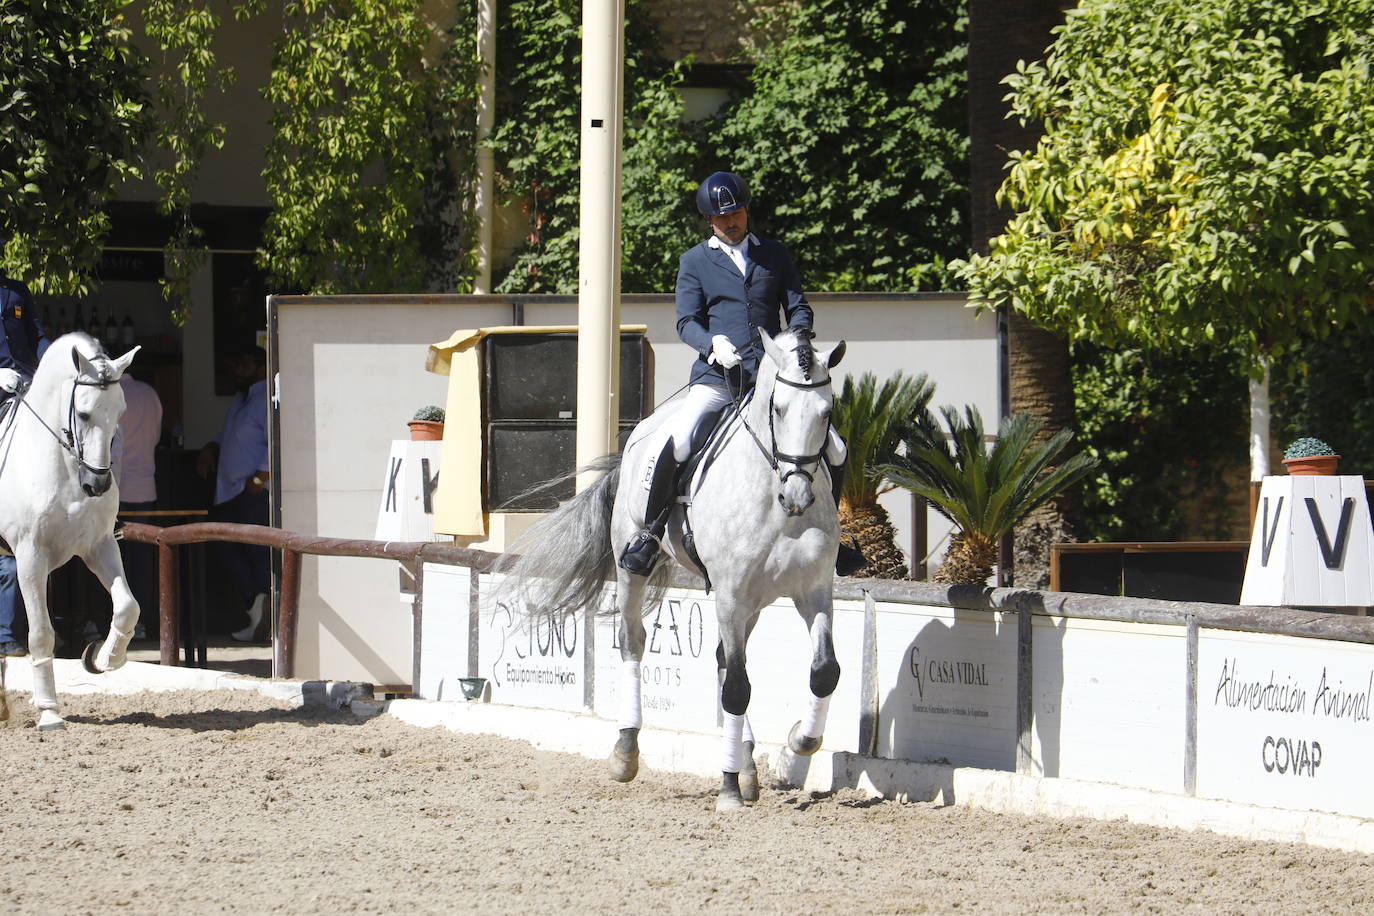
x=1313 y=466
x=425 y=431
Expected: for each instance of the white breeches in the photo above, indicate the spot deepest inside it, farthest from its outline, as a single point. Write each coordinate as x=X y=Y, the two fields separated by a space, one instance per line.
x=700 y=400
x=703 y=399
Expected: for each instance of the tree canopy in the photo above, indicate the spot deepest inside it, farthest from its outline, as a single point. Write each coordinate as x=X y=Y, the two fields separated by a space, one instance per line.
x=1206 y=173
x=73 y=118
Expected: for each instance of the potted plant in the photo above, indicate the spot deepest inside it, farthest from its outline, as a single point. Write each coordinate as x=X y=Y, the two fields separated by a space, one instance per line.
x=1310 y=457
x=427 y=425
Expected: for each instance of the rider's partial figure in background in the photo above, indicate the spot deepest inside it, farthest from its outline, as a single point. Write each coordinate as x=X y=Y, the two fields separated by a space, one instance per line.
x=21 y=347
x=728 y=288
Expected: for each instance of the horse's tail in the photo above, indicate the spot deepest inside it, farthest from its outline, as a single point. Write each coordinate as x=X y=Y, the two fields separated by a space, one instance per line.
x=562 y=563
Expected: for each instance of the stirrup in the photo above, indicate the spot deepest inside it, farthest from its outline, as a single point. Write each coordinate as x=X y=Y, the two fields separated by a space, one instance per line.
x=640 y=554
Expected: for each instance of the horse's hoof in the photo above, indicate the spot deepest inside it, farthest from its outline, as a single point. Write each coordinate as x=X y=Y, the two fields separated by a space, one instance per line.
x=802 y=745
x=729 y=803
x=730 y=797
x=749 y=775
x=88 y=658
x=50 y=721
x=623 y=768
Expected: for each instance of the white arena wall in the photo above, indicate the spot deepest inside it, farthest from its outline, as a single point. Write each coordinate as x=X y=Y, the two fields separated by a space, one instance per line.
x=1261 y=707
x=349 y=371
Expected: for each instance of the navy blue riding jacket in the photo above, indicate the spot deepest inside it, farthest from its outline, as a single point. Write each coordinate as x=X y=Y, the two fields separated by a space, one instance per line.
x=713 y=298
x=24 y=341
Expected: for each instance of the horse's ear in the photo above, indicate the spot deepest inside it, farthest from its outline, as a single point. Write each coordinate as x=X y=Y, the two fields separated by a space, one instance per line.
x=832 y=359
x=773 y=350
x=82 y=365
x=121 y=364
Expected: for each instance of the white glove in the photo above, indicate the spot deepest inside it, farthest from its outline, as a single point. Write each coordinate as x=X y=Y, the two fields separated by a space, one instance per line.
x=723 y=353
x=10 y=380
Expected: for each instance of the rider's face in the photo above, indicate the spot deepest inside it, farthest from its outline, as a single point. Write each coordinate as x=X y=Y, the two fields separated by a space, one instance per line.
x=731 y=227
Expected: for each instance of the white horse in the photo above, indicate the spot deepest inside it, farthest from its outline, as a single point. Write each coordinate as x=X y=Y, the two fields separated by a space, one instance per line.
x=58 y=498
x=763 y=524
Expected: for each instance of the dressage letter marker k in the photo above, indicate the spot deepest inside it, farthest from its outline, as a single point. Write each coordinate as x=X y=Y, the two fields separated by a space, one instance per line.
x=390 y=502
x=428 y=485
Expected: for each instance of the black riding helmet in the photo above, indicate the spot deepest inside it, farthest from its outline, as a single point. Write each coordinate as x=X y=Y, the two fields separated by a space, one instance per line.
x=723 y=192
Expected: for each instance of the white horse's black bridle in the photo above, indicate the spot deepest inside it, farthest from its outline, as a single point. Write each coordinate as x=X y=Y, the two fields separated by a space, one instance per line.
x=68 y=438
x=775 y=457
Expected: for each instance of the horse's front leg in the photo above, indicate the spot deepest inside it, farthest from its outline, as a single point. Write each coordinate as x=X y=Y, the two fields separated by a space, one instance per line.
x=734 y=701
x=629 y=597
x=33 y=585
x=105 y=562
x=817 y=609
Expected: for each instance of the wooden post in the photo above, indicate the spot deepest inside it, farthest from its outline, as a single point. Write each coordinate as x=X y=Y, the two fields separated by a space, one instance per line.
x=168 y=602
x=284 y=654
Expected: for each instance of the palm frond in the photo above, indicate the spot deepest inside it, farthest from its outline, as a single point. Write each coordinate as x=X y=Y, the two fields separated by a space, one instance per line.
x=871 y=420
x=983 y=491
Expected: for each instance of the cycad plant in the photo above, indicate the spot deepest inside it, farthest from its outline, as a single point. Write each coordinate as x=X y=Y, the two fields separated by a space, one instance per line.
x=983 y=492
x=871 y=419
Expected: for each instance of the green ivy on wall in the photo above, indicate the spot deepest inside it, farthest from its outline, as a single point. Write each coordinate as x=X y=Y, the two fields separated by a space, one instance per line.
x=366 y=137
x=853 y=140
x=537 y=146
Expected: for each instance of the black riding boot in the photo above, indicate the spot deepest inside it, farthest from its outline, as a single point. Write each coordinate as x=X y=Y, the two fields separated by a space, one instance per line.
x=850 y=559
x=640 y=555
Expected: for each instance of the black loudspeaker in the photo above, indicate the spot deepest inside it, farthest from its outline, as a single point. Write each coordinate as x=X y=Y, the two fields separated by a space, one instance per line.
x=529 y=392
x=534 y=377
x=521 y=455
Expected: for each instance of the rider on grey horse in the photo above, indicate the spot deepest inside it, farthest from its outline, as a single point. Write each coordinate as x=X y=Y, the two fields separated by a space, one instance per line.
x=728 y=288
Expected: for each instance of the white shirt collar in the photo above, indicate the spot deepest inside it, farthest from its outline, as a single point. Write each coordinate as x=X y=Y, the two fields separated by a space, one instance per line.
x=738 y=254
x=743 y=247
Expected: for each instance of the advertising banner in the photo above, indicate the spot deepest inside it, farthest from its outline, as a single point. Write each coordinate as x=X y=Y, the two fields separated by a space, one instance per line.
x=947 y=679
x=531 y=660
x=1285 y=722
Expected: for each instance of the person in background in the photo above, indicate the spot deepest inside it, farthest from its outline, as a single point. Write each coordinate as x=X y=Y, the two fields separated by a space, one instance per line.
x=135 y=444
x=22 y=344
x=238 y=459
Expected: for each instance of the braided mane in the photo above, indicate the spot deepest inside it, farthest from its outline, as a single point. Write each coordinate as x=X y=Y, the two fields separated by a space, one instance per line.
x=806 y=353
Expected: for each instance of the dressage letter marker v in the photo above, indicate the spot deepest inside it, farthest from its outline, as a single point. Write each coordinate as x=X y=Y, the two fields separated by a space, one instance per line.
x=1331 y=555
x=1269 y=532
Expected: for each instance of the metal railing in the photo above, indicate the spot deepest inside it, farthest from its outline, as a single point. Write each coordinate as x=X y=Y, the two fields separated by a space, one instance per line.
x=168 y=542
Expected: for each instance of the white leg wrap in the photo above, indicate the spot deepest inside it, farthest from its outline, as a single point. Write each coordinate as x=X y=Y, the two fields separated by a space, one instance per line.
x=631 y=715
x=44 y=684
x=748 y=734
x=813 y=723
x=733 y=730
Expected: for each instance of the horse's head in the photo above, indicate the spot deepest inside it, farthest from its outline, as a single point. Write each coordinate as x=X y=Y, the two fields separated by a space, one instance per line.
x=799 y=402
x=95 y=402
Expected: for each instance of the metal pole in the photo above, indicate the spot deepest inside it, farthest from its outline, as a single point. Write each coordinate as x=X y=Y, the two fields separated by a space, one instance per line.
x=598 y=287
x=486 y=119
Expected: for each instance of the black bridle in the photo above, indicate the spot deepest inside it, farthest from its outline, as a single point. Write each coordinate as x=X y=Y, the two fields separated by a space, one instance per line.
x=775 y=457
x=68 y=438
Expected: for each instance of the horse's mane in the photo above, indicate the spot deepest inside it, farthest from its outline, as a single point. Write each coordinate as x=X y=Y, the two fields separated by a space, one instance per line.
x=797 y=341
x=57 y=365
